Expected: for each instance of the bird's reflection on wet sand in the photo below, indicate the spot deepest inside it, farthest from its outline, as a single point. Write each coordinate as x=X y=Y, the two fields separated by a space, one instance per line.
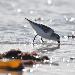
x=49 y=48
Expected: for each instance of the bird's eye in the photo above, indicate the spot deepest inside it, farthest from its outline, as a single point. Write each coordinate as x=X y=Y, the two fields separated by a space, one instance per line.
x=58 y=37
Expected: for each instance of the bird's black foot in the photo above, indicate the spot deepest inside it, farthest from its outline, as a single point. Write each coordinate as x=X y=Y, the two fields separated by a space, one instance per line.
x=42 y=40
x=34 y=39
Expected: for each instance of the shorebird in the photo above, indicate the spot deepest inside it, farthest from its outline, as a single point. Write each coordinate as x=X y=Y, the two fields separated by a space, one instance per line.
x=44 y=31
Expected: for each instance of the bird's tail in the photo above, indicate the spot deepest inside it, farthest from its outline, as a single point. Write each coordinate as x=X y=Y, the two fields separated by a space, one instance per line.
x=28 y=20
x=31 y=22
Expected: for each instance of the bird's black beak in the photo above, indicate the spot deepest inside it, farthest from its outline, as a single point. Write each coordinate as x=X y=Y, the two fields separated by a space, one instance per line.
x=58 y=42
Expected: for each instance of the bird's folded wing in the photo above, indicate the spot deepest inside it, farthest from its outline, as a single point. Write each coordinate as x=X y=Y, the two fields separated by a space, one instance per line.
x=47 y=30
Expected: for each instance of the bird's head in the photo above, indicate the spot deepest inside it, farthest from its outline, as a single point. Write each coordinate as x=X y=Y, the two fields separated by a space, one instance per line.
x=56 y=37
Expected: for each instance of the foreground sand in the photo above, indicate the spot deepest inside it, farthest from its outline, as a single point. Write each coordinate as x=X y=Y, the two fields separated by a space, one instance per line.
x=61 y=58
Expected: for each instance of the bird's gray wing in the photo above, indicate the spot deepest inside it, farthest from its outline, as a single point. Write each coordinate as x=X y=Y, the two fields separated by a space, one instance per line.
x=46 y=30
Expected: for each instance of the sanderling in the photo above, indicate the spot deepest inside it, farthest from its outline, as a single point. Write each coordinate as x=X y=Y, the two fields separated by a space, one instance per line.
x=44 y=31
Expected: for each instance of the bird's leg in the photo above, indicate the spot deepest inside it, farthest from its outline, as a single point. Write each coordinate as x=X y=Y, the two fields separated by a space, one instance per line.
x=34 y=39
x=42 y=40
